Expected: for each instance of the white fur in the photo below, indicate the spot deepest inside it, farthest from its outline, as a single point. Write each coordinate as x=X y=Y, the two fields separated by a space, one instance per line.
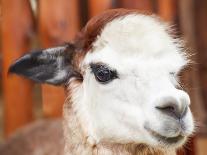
x=144 y=55
x=55 y=49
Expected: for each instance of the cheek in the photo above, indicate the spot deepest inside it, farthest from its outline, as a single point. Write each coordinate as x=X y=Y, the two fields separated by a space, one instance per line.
x=114 y=102
x=116 y=106
x=117 y=120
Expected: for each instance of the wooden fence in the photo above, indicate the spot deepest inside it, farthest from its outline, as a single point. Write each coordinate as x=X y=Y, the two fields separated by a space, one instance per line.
x=54 y=22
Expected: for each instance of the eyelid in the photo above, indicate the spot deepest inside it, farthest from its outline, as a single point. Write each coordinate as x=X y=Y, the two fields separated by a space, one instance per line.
x=95 y=66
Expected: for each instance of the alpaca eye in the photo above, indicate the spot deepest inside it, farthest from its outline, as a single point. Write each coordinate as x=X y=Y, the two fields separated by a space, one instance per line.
x=102 y=73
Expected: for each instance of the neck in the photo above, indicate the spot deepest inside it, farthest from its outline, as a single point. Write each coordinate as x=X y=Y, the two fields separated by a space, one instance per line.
x=78 y=143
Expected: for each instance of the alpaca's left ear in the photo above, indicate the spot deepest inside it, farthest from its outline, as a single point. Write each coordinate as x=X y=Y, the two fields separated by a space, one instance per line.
x=52 y=66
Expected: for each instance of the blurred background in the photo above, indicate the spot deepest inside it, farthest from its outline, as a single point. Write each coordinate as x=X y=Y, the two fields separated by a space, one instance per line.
x=32 y=24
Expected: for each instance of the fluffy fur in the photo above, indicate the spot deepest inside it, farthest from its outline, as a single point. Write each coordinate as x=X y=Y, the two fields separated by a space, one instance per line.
x=147 y=60
x=143 y=111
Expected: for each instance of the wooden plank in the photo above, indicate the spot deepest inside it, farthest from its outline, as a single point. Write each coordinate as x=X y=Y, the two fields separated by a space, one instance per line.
x=142 y=5
x=58 y=23
x=167 y=9
x=97 y=6
x=187 y=26
x=16 y=28
x=201 y=44
x=201 y=143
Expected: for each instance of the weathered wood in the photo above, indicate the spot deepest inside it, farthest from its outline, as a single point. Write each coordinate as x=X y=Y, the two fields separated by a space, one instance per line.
x=167 y=9
x=58 y=23
x=200 y=7
x=201 y=143
x=188 y=28
x=187 y=25
x=17 y=28
x=96 y=7
x=142 y=5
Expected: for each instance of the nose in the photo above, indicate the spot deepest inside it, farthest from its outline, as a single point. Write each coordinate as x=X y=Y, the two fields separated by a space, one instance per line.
x=174 y=106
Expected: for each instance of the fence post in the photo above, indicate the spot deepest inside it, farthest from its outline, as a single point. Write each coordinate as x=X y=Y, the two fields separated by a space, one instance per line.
x=17 y=28
x=200 y=11
x=167 y=9
x=142 y=5
x=58 y=23
x=97 y=6
x=193 y=25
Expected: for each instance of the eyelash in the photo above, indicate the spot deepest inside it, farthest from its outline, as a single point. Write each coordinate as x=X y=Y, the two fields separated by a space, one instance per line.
x=172 y=73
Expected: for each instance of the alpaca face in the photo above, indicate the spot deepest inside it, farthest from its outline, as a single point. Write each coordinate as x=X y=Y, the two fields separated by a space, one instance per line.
x=130 y=91
x=127 y=91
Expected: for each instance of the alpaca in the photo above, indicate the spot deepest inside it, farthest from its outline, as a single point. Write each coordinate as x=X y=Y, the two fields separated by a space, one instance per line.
x=121 y=73
x=42 y=137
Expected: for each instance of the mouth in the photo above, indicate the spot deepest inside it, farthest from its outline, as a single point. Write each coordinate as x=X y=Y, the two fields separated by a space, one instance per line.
x=164 y=139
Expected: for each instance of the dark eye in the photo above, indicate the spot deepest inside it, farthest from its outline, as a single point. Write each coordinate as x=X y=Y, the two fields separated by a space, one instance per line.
x=102 y=73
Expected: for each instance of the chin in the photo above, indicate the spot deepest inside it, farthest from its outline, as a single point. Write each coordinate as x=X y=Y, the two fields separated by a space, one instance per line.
x=167 y=142
x=173 y=138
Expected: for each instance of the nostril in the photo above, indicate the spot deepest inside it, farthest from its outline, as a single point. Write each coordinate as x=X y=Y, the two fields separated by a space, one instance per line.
x=167 y=108
x=173 y=109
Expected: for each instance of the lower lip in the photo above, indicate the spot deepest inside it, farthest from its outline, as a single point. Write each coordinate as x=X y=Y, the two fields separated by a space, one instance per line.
x=166 y=140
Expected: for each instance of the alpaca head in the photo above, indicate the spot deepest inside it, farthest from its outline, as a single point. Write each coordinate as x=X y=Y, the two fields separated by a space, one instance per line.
x=121 y=70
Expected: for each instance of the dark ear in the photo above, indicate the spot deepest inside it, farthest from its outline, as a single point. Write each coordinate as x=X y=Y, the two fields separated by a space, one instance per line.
x=53 y=66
